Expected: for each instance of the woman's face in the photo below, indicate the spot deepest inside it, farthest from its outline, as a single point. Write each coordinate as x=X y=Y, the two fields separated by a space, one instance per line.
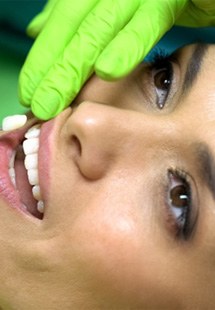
x=127 y=178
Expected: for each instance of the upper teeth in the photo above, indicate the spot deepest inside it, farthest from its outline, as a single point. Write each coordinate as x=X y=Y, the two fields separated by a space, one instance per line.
x=30 y=148
x=13 y=122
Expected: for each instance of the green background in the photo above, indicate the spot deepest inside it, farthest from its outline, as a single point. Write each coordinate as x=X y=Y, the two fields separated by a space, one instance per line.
x=14 y=45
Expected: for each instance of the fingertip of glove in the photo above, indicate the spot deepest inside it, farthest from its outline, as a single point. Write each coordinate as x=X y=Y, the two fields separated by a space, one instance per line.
x=35 y=26
x=104 y=71
x=104 y=75
x=108 y=70
x=46 y=109
x=31 y=32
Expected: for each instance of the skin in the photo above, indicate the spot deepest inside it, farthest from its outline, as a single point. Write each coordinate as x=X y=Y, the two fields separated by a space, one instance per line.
x=109 y=239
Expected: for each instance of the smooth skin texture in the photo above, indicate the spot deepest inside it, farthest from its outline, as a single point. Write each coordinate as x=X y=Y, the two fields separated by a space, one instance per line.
x=109 y=37
x=109 y=238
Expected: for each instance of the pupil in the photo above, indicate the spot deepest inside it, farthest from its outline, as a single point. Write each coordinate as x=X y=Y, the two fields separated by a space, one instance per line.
x=162 y=80
x=179 y=196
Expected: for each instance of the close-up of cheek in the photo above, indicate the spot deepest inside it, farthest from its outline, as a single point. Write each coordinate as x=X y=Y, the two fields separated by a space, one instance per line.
x=110 y=247
x=113 y=243
x=120 y=261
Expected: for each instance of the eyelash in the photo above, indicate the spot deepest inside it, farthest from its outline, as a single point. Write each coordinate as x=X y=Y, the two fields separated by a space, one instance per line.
x=183 y=222
x=158 y=57
x=162 y=67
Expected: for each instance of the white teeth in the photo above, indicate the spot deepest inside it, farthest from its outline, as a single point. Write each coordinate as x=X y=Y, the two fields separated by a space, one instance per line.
x=40 y=206
x=13 y=122
x=31 y=146
x=31 y=161
x=11 y=168
x=33 y=176
x=33 y=132
x=11 y=163
x=36 y=192
x=12 y=175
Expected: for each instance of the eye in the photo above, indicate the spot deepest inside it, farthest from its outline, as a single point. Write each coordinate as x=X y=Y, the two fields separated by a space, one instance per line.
x=180 y=203
x=162 y=78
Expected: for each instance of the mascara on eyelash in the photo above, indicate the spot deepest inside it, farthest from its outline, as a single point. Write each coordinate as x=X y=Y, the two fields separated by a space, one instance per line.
x=159 y=58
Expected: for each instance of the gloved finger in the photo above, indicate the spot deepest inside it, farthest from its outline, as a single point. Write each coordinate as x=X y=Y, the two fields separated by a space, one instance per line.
x=206 y=5
x=58 y=31
x=199 y=13
x=65 y=78
x=133 y=43
x=36 y=25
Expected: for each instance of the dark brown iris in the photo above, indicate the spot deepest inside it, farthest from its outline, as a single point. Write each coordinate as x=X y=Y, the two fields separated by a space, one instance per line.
x=179 y=196
x=161 y=80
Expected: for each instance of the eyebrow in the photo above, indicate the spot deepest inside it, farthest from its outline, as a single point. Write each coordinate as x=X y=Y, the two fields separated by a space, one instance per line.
x=206 y=162
x=194 y=66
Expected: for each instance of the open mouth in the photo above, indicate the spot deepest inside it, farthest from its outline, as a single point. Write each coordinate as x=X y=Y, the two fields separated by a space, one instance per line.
x=23 y=172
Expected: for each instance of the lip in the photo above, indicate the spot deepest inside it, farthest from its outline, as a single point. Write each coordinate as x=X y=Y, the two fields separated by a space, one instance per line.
x=9 y=141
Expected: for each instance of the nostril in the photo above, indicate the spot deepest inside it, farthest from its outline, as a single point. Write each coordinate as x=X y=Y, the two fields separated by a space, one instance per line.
x=77 y=144
x=88 y=158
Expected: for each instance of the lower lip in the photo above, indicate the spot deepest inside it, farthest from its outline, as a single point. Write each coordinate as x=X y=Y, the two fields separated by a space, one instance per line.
x=8 y=143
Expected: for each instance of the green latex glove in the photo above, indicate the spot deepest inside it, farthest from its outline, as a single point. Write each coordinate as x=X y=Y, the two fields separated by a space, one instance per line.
x=79 y=37
x=199 y=13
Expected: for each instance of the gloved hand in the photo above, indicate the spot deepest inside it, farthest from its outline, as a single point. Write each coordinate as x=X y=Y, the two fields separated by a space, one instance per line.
x=79 y=37
x=199 y=13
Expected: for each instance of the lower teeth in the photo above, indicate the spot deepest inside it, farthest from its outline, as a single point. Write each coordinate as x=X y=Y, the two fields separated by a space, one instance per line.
x=40 y=206
x=35 y=188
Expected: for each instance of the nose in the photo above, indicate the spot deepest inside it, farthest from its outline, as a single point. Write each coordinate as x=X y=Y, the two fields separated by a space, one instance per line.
x=106 y=135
